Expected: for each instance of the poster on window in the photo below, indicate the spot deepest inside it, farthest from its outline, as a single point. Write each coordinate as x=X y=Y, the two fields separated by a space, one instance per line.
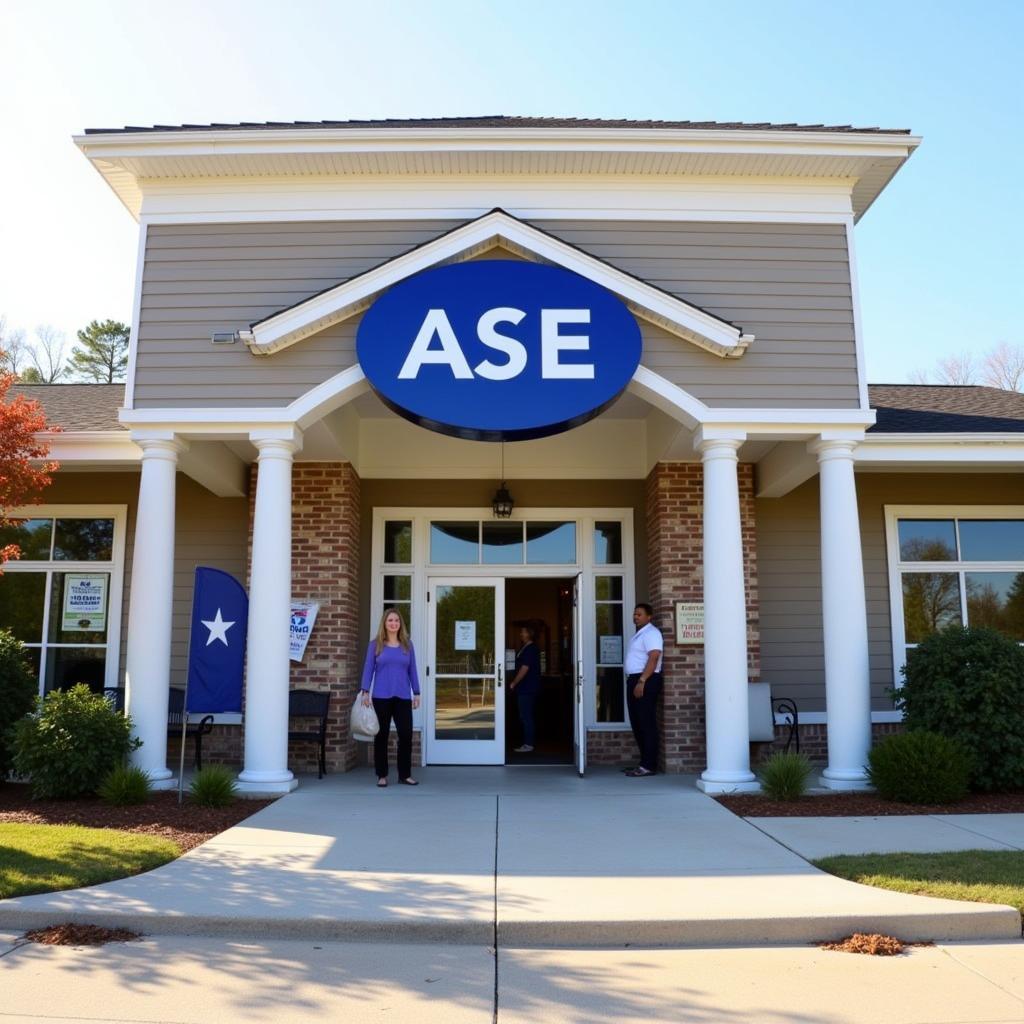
x=610 y=650
x=465 y=635
x=85 y=603
x=303 y=620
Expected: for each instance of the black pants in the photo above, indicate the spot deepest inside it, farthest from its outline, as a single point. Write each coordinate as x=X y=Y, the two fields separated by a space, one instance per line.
x=400 y=710
x=643 y=717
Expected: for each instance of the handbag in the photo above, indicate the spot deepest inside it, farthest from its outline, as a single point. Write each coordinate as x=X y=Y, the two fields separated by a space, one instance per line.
x=363 y=721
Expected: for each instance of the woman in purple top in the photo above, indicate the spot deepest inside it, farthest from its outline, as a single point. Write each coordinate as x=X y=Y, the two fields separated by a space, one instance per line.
x=391 y=670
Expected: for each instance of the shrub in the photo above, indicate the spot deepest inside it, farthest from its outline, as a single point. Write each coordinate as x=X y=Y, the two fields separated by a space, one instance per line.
x=920 y=768
x=785 y=776
x=213 y=786
x=968 y=684
x=71 y=742
x=18 y=688
x=125 y=786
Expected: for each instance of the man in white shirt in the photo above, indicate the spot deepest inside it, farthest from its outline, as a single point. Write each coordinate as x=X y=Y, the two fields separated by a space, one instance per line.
x=643 y=685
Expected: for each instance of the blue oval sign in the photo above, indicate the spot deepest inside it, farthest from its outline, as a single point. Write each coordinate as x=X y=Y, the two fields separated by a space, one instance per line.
x=498 y=350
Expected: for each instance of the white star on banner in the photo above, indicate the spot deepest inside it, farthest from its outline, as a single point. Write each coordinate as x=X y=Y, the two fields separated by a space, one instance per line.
x=218 y=629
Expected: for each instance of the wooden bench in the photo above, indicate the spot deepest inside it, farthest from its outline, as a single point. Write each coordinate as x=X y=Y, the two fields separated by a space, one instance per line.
x=175 y=708
x=312 y=707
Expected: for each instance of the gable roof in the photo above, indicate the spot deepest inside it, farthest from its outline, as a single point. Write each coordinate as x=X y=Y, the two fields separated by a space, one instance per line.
x=942 y=409
x=494 y=229
x=74 y=407
x=501 y=121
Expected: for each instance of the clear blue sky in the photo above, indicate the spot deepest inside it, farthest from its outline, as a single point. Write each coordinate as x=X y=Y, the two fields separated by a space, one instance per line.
x=939 y=253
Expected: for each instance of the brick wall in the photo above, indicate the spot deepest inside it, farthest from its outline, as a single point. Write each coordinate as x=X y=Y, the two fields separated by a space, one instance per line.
x=675 y=496
x=814 y=739
x=611 y=748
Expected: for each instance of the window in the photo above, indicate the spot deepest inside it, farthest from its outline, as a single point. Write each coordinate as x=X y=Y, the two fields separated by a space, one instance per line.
x=477 y=542
x=952 y=567
x=62 y=598
x=611 y=679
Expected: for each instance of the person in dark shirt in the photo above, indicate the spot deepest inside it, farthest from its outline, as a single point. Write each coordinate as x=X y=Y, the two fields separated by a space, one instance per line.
x=526 y=684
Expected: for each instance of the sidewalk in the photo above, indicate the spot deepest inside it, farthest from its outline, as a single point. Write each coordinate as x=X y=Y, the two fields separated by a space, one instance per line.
x=517 y=857
x=177 y=980
x=912 y=833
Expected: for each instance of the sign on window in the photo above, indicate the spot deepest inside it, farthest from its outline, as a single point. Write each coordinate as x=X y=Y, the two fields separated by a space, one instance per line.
x=85 y=603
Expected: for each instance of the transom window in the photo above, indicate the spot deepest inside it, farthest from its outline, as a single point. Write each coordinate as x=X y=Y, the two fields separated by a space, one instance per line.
x=62 y=597
x=952 y=567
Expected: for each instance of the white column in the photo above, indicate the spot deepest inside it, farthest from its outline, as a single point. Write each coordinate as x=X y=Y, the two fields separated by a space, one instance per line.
x=148 y=656
x=844 y=617
x=270 y=588
x=725 y=623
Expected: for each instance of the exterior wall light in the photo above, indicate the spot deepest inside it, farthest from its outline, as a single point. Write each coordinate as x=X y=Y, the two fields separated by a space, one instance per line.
x=502 y=502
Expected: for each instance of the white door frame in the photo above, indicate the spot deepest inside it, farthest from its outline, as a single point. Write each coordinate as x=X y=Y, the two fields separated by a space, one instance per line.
x=466 y=751
x=419 y=570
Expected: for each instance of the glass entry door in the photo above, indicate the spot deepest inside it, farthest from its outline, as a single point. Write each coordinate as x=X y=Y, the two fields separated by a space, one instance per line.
x=466 y=671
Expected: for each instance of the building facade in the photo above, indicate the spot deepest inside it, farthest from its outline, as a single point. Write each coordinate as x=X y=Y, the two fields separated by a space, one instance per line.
x=787 y=523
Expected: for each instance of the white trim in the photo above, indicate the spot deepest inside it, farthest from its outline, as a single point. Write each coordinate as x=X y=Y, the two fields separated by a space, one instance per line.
x=858 y=323
x=939 y=449
x=601 y=197
x=91 y=446
x=896 y=566
x=346 y=300
x=133 y=339
x=115 y=567
x=821 y=717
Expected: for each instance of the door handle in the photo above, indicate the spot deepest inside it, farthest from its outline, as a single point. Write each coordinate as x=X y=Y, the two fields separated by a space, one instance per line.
x=500 y=676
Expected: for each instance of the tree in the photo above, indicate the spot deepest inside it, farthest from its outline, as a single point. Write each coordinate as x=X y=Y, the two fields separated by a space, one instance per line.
x=47 y=356
x=13 y=348
x=24 y=471
x=102 y=354
x=1004 y=367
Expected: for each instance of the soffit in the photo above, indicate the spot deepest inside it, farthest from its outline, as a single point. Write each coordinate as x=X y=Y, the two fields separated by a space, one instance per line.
x=127 y=161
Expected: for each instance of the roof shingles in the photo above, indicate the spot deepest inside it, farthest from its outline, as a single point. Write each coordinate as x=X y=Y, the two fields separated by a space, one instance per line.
x=945 y=409
x=91 y=407
x=497 y=121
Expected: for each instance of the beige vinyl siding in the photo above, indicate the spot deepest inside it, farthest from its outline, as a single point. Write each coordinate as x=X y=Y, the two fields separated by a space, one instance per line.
x=789 y=284
x=200 y=279
x=789 y=573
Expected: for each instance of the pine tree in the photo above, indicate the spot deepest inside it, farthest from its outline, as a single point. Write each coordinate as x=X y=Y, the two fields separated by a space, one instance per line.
x=102 y=352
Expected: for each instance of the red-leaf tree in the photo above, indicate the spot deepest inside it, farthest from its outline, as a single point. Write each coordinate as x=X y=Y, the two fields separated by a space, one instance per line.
x=24 y=471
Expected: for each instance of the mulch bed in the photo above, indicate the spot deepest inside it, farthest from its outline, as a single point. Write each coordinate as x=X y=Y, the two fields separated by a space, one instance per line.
x=865 y=805
x=80 y=935
x=187 y=825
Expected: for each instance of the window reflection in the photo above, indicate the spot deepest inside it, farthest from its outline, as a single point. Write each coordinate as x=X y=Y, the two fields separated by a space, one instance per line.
x=931 y=601
x=503 y=543
x=927 y=540
x=397 y=542
x=32 y=537
x=455 y=543
x=551 y=543
x=84 y=540
x=608 y=543
x=996 y=600
x=992 y=540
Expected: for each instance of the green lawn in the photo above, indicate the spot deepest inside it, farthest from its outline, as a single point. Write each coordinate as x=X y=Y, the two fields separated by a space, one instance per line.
x=979 y=876
x=45 y=858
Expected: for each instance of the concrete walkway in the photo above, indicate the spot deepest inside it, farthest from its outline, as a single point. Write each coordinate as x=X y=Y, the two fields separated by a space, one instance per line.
x=506 y=857
x=913 y=833
x=179 y=980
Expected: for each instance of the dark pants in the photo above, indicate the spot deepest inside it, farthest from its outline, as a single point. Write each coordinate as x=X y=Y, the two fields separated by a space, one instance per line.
x=400 y=710
x=643 y=717
x=527 y=704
